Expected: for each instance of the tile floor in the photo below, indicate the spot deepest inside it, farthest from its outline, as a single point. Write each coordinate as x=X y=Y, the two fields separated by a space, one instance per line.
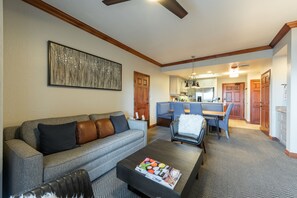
x=243 y=124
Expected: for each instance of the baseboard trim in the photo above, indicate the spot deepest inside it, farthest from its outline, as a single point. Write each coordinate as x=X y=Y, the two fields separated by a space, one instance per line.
x=266 y=132
x=273 y=138
x=290 y=154
x=152 y=126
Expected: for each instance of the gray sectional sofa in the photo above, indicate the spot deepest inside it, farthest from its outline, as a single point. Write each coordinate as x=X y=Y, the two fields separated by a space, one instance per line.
x=25 y=167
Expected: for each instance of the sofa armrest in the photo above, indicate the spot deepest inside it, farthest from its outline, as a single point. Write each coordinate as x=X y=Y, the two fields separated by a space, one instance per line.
x=23 y=166
x=139 y=125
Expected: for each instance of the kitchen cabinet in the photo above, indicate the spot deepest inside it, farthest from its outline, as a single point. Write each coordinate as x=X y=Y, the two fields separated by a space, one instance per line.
x=177 y=85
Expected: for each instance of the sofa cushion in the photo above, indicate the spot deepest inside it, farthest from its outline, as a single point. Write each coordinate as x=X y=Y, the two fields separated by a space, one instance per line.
x=56 y=138
x=30 y=133
x=86 y=132
x=104 y=127
x=58 y=164
x=119 y=123
x=95 y=117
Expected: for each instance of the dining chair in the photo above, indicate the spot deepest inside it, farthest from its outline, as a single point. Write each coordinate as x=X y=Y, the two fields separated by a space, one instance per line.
x=178 y=109
x=223 y=124
x=196 y=108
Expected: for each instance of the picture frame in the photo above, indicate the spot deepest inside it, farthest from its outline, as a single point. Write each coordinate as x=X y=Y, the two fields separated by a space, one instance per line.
x=69 y=67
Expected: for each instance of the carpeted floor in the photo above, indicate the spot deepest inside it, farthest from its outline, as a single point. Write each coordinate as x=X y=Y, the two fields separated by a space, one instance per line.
x=247 y=165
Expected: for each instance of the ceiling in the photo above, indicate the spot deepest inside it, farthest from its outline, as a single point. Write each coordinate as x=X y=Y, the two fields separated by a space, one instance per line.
x=222 y=70
x=211 y=27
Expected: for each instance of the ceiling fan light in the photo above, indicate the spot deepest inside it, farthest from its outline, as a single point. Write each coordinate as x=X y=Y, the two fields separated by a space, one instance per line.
x=233 y=75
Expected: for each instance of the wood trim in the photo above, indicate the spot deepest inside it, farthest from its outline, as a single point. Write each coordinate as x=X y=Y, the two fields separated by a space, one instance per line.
x=149 y=104
x=152 y=126
x=251 y=101
x=264 y=131
x=285 y=29
x=255 y=49
x=290 y=154
x=273 y=138
x=75 y=22
x=241 y=101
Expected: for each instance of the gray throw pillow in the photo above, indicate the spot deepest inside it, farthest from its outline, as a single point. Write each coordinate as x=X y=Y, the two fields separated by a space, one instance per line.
x=56 y=138
x=119 y=123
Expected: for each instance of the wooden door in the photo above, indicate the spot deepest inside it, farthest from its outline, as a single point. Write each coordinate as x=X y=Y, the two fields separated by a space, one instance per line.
x=234 y=93
x=141 y=95
x=264 y=104
x=255 y=101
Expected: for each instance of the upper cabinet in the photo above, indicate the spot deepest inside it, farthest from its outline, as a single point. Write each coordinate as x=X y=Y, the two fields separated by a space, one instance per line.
x=177 y=85
x=207 y=82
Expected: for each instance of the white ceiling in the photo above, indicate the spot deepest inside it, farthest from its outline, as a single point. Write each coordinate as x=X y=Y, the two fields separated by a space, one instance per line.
x=222 y=70
x=211 y=27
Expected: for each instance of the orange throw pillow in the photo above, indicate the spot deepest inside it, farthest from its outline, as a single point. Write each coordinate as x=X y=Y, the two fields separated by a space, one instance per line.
x=85 y=132
x=104 y=127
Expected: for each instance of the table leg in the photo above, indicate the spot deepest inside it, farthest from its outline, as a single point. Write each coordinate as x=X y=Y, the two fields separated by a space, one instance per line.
x=218 y=127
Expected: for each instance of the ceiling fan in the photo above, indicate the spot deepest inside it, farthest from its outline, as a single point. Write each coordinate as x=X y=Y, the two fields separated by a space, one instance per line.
x=172 y=5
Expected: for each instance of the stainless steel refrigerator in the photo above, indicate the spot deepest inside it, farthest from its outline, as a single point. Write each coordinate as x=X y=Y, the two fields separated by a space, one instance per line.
x=205 y=94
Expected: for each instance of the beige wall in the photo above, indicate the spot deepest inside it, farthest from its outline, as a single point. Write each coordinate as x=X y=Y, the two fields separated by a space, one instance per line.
x=250 y=76
x=278 y=78
x=26 y=94
x=1 y=95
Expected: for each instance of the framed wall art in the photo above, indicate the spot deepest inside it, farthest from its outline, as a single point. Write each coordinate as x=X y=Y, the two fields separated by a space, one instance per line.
x=70 y=67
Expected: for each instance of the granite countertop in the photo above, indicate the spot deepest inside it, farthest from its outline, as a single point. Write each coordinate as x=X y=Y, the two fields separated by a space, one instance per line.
x=282 y=109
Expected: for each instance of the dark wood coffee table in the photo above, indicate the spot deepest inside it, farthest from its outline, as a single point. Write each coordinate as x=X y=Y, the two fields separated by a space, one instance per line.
x=186 y=158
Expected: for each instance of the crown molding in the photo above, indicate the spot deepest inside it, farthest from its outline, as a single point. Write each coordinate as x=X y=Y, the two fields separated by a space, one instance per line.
x=244 y=51
x=283 y=31
x=73 y=21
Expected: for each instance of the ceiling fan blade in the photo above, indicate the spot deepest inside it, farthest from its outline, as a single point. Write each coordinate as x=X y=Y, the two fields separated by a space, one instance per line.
x=111 y=2
x=174 y=7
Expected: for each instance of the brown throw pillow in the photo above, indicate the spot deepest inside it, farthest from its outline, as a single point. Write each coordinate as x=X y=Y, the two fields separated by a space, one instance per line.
x=104 y=127
x=86 y=132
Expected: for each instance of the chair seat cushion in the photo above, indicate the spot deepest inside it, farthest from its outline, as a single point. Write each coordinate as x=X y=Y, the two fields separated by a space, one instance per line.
x=190 y=125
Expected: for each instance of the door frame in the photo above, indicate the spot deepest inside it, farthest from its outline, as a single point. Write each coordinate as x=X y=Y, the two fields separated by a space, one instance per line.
x=251 y=114
x=149 y=83
x=265 y=130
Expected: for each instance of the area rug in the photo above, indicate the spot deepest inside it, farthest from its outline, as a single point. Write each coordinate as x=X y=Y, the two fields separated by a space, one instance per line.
x=247 y=165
